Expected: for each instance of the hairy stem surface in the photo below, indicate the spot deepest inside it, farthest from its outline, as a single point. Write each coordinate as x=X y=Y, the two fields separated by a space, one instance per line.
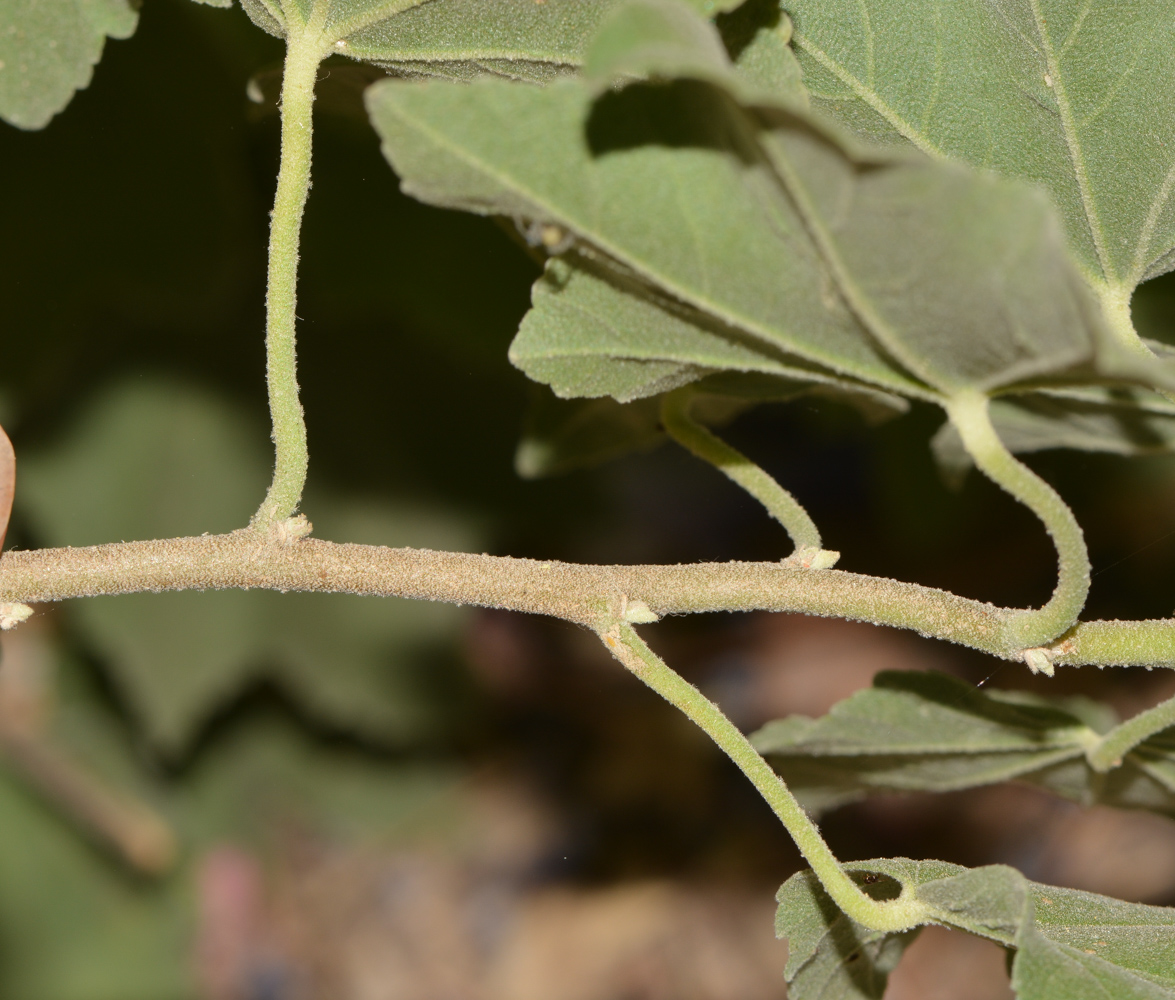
x=780 y=504
x=893 y=915
x=1120 y=740
x=969 y=414
x=303 y=54
x=281 y=559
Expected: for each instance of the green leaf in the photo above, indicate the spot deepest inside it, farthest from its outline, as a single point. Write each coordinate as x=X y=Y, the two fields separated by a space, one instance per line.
x=48 y=49
x=921 y=731
x=916 y=277
x=1067 y=945
x=75 y=926
x=666 y=39
x=455 y=39
x=594 y=332
x=1116 y=421
x=757 y=36
x=1079 y=96
x=149 y=459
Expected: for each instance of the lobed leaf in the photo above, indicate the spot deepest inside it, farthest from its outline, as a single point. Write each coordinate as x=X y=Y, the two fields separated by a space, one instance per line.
x=1065 y=944
x=48 y=49
x=156 y=460
x=930 y=732
x=1076 y=95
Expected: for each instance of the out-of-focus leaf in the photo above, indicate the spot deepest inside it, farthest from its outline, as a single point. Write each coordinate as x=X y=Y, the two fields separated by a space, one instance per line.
x=564 y=435
x=74 y=926
x=1078 y=96
x=906 y=248
x=1068 y=945
x=48 y=49
x=1118 y=421
x=931 y=732
x=156 y=460
x=665 y=39
x=757 y=35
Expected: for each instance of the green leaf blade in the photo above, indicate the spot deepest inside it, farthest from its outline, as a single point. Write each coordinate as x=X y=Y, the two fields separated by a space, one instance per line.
x=48 y=49
x=1073 y=95
x=1068 y=945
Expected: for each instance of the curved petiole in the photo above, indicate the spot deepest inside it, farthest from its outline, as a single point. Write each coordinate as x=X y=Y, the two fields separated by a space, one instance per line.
x=1029 y=630
x=780 y=504
x=890 y=915
x=1107 y=753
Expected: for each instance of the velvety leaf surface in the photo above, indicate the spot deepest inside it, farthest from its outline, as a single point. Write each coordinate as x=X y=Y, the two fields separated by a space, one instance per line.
x=1077 y=95
x=1068 y=945
x=931 y=732
x=48 y=49
x=729 y=242
x=157 y=460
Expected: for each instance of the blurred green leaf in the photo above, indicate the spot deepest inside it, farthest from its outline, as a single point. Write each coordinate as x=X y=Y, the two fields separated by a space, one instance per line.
x=74 y=926
x=151 y=459
x=1067 y=945
x=930 y=732
x=48 y=49
x=757 y=36
x=1063 y=92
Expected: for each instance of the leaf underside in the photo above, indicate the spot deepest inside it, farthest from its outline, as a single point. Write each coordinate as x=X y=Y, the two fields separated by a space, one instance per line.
x=1076 y=95
x=731 y=261
x=1066 y=944
x=915 y=731
x=48 y=49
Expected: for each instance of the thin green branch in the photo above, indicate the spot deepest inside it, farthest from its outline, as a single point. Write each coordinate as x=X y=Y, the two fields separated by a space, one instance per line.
x=1033 y=628
x=303 y=54
x=1107 y=754
x=891 y=915
x=780 y=504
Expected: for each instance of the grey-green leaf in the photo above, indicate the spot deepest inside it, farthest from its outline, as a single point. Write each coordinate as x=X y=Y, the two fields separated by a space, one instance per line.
x=931 y=732
x=1077 y=95
x=1068 y=945
x=48 y=49
x=729 y=242
x=595 y=331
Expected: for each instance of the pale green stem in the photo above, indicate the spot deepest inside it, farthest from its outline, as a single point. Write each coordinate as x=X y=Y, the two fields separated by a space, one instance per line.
x=1114 y=745
x=891 y=915
x=1116 y=306
x=780 y=504
x=1028 y=629
x=303 y=54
